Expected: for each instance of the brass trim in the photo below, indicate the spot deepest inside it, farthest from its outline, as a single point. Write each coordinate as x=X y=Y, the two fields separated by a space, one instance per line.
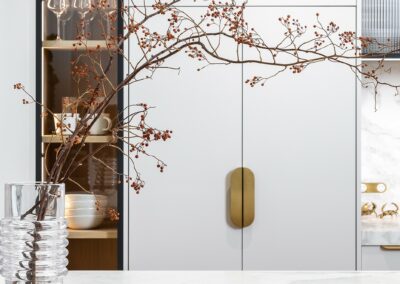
x=242 y=197
x=390 y=247
x=372 y=187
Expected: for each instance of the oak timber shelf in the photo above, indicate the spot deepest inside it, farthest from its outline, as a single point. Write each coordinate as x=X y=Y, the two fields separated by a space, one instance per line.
x=90 y=139
x=101 y=233
x=74 y=44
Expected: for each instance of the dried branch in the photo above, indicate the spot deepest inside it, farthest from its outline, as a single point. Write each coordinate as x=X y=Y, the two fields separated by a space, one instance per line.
x=202 y=39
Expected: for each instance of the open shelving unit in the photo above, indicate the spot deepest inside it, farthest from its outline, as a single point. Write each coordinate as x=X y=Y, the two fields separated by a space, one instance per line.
x=99 y=248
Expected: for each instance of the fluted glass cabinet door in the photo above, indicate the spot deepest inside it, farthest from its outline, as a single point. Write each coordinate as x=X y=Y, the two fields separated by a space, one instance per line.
x=179 y=220
x=300 y=141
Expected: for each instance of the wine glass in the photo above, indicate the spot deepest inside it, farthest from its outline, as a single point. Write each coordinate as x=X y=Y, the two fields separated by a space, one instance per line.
x=108 y=9
x=88 y=18
x=83 y=7
x=66 y=17
x=58 y=7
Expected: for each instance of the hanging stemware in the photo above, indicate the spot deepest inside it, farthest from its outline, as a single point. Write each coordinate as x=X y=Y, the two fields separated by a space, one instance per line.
x=83 y=7
x=109 y=9
x=88 y=18
x=65 y=17
x=58 y=7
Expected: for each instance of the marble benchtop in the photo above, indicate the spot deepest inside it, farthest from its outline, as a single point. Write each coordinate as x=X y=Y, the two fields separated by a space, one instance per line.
x=379 y=237
x=229 y=277
x=380 y=232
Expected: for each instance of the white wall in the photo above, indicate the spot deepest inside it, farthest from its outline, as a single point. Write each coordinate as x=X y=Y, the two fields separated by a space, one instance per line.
x=17 y=64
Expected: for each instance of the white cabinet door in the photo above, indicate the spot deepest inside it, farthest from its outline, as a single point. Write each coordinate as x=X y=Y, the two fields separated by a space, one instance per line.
x=179 y=220
x=300 y=142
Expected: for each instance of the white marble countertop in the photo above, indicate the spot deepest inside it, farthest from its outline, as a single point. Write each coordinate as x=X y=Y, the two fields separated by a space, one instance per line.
x=229 y=277
x=379 y=237
x=377 y=232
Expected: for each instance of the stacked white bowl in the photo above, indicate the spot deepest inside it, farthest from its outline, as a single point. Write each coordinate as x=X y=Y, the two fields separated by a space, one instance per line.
x=82 y=212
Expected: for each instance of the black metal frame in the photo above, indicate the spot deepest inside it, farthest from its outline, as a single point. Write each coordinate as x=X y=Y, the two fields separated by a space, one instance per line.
x=38 y=126
x=38 y=69
x=120 y=156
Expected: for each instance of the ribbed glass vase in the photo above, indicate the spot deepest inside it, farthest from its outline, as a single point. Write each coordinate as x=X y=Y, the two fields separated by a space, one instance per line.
x=33 y=234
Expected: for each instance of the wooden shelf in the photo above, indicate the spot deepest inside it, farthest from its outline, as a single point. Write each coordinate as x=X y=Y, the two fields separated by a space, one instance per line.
x=89 y=139
x=74 y=44
x=101 y=233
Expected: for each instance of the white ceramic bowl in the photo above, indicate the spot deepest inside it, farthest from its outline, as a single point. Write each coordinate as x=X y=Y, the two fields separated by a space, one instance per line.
x=84 y=197
x=84 y=204
x=84 y=221
x=85 y=211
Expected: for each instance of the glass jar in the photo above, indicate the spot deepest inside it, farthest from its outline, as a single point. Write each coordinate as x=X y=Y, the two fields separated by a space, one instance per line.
x=33 y=234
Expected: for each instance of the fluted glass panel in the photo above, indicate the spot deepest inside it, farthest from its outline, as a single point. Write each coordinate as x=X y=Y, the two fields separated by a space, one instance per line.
x=380 y=21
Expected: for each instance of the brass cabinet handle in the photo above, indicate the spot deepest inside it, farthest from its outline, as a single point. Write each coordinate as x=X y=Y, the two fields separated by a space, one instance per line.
x=390 y=247
x=373 y=187
x=242 y=197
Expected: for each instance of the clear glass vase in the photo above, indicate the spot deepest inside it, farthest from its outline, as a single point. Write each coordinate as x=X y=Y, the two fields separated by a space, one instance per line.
x=33 y=234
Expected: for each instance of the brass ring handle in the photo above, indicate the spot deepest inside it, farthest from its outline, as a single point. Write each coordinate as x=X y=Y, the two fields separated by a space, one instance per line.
x=368 y=208
x=392 y=212
x=242 y=197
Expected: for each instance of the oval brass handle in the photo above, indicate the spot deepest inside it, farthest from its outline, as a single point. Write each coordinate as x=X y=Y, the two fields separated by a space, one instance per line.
x=242 y=197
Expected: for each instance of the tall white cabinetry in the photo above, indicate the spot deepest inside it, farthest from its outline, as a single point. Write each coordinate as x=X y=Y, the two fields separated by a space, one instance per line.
x=298 y=134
